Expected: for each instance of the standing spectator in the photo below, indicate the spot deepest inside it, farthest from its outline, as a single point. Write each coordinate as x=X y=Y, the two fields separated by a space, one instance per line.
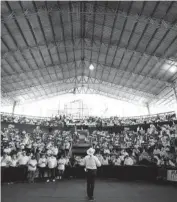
x=67 y=146
x=42 y=163
x=5 y=160
x=52 y=164
x=13 y=170
x=22 y=161
x=32 y=166
x=61 y=166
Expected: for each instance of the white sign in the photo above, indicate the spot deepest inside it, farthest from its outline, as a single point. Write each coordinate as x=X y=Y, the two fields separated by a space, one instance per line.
x=172 y=175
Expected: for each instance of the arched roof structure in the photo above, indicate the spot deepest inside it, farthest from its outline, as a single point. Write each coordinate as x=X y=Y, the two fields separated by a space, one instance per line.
x=47 y=48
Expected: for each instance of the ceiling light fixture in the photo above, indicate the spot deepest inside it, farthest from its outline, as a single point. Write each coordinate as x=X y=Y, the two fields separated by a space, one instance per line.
x=173 y=69
x=91 y=67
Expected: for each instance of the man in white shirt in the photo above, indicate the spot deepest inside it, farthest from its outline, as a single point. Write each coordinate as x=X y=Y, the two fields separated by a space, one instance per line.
x=5 y=160
x=42 y=163
x=67 y=146
x=128 y=161
x=23 y=161
x=52 y=164
x=91 y=163
x=32 y=166
x=61 y=166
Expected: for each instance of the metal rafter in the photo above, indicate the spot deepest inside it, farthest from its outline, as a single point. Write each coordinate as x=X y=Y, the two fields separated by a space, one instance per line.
x=131 y=35
x=99 y=11
x=40 y=25
x=93 y=31
x=142 y=55
x=47 y=28
x=141 y=39
x=112 y=31
x=82 y=35
x=70 y=90
x=105 y=9
x=72 y=35
x=155 y=48
x=63 y=31
x=26 y=42
x=102 y=64
x=122 y=31
x=165 y=50
x=54 y=37
x=136 y=74
x=39 y=69
x=96 y=40
x=82 y=10
x=89 y=81
x=14 y=57
x=89 y=49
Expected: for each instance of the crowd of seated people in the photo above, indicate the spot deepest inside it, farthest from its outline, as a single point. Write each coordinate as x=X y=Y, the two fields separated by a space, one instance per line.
x=157 y=145
x=62 y=120
x=38 y=150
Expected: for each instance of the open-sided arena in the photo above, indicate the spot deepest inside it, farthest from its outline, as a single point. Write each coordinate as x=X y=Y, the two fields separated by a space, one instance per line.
x=88 y=101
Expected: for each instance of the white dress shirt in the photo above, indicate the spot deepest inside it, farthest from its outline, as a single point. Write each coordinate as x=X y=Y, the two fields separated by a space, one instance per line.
x=42 y=162
x=32 y=165
x=52 y=162
x=91 y=162
x=128 y=161
x=23 y=160
x=61 y=164
x=5 y=161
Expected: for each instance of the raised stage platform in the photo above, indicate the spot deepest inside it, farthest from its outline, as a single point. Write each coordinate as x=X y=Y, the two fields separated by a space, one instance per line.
x=74 y=191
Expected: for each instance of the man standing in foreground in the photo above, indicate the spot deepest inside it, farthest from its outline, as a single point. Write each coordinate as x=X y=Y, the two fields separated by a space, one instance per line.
x=91 y=163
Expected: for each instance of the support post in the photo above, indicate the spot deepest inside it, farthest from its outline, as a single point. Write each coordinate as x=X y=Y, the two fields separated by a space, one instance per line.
x=13 y=109
x=175 y=95
x=148 y=109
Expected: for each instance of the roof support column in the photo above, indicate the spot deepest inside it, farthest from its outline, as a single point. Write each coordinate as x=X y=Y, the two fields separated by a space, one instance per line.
x=175 y=95
x=14 y=106
x=148 y=108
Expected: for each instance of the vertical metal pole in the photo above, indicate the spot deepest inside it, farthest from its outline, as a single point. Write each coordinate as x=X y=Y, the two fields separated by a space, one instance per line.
x=14 y=105
x=148 y=108
x=59 y=107
x=175 y=95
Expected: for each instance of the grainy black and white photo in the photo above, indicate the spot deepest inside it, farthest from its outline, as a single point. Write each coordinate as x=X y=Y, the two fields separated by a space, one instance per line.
x=88 y=101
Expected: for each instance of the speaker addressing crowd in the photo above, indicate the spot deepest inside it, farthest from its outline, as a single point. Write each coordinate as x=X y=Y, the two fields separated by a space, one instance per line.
x=91 y=163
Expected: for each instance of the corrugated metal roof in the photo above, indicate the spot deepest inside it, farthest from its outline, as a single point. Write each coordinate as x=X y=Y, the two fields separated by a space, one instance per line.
x=47 y=48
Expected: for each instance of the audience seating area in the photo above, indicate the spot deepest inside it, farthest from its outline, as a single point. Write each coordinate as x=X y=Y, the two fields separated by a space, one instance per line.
x=124 y=145
x=62 y=120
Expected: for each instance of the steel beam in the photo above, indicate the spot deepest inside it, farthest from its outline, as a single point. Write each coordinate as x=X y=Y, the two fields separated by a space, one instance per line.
x=99 y=11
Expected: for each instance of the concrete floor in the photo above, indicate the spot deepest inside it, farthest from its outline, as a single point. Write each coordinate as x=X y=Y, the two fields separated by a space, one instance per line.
x=75 y=190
